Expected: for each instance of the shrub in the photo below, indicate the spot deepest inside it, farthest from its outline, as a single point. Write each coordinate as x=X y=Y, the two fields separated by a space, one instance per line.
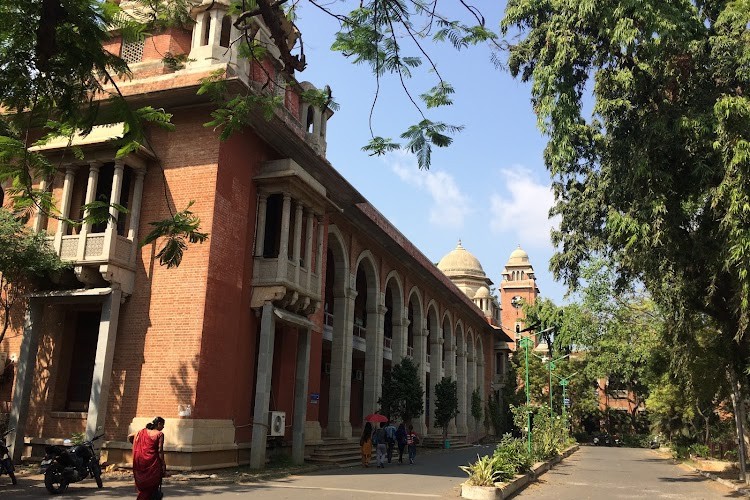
x=482 y=472
x=679 y=451
x=700 y=450
x=511 y=457
x=636 y=440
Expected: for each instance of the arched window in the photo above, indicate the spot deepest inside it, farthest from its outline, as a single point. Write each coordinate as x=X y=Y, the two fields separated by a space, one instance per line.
x=226 y=30
x=206 y=28
x=310 y=120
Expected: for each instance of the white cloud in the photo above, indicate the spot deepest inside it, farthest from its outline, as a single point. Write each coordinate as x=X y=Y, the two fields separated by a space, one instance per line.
x=450 y=206
x=523 y=211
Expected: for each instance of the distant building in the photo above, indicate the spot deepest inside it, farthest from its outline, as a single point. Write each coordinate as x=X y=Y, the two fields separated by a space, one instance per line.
x=517 y=288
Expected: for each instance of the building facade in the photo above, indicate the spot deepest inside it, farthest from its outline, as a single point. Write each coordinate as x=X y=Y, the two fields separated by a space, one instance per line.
x=276 y=332
x=518 y=287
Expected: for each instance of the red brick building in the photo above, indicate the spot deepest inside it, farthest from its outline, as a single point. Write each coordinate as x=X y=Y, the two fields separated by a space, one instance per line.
x=518 y=287
x=300 y=300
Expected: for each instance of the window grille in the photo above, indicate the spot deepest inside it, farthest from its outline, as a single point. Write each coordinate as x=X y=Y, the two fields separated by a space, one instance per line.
x=132 y=52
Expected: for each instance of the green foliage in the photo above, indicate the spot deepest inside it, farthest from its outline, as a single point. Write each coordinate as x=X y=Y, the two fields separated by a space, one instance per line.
x=78 y=438
x=402 y=394
x=26 y=259
x=482 y=472
x=179 y=230
x=425 y=134
x=446 y=403
x=175 y=62
x=476 y=405
x=700 y=450
x=512 y=457
x=320 y=98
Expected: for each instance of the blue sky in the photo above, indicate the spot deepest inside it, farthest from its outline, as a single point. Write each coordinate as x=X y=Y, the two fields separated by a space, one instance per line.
x=489 y=188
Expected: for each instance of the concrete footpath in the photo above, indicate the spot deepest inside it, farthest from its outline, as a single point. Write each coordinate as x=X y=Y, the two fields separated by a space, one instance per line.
x=434 y=475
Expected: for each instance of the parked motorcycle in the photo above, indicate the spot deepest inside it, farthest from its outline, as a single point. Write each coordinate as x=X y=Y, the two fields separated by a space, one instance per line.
x=602 y=439
x=63 y=465
x=6 y=464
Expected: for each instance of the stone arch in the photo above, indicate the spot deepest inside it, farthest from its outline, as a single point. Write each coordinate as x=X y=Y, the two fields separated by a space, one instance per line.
x=461 y=386
x=226 y=31
x=448 y=347
x=368 y=361
x=480 y=366
x=434 y=346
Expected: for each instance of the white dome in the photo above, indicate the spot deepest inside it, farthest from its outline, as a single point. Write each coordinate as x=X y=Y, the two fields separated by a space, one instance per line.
x=518 y=258
x=460 y=262
x=482 y=293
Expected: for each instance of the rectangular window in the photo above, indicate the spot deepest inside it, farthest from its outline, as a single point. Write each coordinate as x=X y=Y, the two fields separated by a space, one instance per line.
x=272 y=240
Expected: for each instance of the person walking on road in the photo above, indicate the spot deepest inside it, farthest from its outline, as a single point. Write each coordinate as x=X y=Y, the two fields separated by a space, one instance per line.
x=148 y=459
x=412 y=440
x=365 y=444
x=379 y=439
x=390 y=435
x=401 y=441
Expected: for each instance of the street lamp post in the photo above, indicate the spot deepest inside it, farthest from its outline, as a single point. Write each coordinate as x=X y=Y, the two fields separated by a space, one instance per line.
x=525 y=343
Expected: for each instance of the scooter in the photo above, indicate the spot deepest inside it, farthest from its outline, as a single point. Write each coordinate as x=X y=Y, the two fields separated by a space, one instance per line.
x=6 y=464
x=63 y=465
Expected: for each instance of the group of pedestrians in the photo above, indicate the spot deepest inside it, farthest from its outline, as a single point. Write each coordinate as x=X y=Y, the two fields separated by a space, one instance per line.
x=385 y=438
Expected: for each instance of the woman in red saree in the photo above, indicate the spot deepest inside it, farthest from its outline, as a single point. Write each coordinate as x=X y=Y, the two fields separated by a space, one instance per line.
x=148 y=458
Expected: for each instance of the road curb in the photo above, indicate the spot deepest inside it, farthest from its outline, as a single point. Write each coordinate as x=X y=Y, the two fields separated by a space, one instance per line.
x=725 y=482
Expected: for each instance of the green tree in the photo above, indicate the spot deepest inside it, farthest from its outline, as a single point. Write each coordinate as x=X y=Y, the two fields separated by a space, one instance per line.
x=25 y=260
x=403 y=394
x=446 y=404
x=658 y=179
x=476 y=407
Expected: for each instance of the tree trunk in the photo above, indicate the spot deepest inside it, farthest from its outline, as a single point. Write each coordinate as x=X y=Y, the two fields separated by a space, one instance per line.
x=739 y=419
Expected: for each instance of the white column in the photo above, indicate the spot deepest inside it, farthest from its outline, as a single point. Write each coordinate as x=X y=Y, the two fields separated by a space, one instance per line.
x=39 y=215
x=309 y=215
x=260 y=224
x=300 y=396
x=263 y=387
x=105 y=352
x=283 y=259
x=90 y=197
x=341 y=365
x=400 y=337
x=24 y=378
x=67 y=194
x=319 y=254
x=214 y=35
x=480 y=385
x=111 y=232
x=135 y=213
x=374 y=357
x=297 y=243
x=462 y=418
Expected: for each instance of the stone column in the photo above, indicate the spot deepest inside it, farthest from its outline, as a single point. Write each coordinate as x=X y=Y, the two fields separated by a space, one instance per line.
x=135 y=213
x=110 y=237
x=300 y=396
x=214 y=35
x=420 y=356
x=105 y=352
x=67 y=194
x=319 y=255
x=297 y=243
x=374 y=357
x=90 y=197
x=436 y=361
x=260 y=224
x=263 y=387
x=283 y=258
x=400 y=338
x=32 y=326
x=341 y=365
x=461 y=419
x=308 y=247
x=470 y=384
x=39 y=215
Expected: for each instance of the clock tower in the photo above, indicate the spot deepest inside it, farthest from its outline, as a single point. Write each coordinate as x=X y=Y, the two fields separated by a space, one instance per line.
x=517 y=288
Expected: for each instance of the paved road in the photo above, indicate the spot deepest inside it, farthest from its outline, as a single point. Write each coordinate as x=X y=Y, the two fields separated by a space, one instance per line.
x=435 y=475
x=619 y=473
x=590 y=473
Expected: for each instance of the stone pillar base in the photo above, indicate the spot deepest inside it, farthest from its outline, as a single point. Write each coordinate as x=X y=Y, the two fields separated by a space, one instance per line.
x=313 y=432
x=339 y=429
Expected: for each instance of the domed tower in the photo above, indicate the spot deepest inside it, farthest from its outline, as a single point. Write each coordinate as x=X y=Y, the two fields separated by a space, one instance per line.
x=517 y=287
x=465 y=271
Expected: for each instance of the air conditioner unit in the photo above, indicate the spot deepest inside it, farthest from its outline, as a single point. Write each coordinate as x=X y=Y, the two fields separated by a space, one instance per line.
x=276 y=423
x=327 y=368
x=358 y=375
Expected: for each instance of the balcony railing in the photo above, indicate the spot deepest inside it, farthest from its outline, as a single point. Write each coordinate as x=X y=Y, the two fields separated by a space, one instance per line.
x=410 y=351
x=387 y=342
x=94 y=249
x=359 y=331
x=328 y=319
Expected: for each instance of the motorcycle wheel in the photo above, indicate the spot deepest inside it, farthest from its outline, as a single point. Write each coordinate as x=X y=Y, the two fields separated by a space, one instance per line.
x=96 y=471
x=54 y=481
